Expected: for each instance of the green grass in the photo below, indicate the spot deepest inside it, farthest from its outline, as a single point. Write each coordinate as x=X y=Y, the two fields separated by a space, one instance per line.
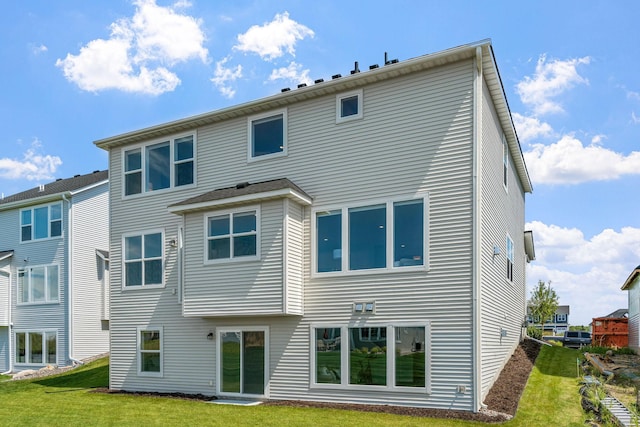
x=551 y=398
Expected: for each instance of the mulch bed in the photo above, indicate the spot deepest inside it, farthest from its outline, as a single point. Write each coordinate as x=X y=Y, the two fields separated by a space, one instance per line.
x=502 y=400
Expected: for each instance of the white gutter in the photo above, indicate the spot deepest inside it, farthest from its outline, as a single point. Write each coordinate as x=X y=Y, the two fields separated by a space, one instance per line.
x=475 y=239
x=69 y=265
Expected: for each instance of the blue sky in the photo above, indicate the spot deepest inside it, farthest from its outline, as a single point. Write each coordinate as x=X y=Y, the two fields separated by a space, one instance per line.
x=77 y=71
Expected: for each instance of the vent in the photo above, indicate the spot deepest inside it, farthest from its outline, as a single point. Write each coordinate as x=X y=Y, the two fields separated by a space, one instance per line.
x=242 y=185
x=41 y=188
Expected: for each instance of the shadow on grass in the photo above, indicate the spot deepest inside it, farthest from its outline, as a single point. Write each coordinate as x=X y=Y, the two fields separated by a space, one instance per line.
x=91 y=376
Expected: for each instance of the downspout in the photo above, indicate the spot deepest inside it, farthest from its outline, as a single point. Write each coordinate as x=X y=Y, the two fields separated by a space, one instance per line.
x=9 y=328
x=69 y=265
x=476 y=243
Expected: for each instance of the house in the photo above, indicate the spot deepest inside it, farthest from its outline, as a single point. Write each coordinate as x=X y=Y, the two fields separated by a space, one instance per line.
x=557 y=324
x=359 y=240
x=611 y=330
x=632 y=285
x=54 y=273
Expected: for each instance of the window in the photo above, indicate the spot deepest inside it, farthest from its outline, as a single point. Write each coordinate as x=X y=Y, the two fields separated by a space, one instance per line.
x=561 y=318
x=38 y=284
x=349 y=106
x=370 y=358
x=268 y=135
x=150 y=351
x=41 y=223
x=379 y=236
x=143 y=259
x=505 y=161
x=509 y=259
x=232 y=235
x=243 y=358
x=159 y=166
x=36 y=347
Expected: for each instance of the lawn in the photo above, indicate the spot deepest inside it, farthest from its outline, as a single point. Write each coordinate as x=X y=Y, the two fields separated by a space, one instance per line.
x=551 y=398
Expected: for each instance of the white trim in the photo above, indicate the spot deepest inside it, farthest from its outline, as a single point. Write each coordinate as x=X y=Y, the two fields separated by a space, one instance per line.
x=49 y=221
x=143 y=233
x=142 y=147
x=231 y=213
x=42 y=332
x=218 y=358
x=273 y=113
x=390 y=232
x=139 y=330
x=339 y=117
x=27 y=278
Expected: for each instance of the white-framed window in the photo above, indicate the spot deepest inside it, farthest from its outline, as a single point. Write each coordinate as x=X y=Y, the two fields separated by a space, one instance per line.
x=505 y=162
x=233 y=235
x=561 y=318
x=510 y=259
x=36 y=347
x=143 y=259
x=384 y=235
x=242 y=361
x=267 y=135
x=365 y=357
x=150 y=360
x=41 y=222
x=349 y=106
x=38 y=284
x=161 y=165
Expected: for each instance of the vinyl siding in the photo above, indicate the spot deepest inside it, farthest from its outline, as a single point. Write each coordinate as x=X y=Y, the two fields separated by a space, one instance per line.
x=415 y=137
x=90 y=231
x=502 y=302
x=4 y=296
x=294 y=258
x=634 y=315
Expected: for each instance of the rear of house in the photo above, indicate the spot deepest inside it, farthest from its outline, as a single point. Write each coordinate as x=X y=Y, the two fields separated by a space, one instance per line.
x=50 y=277
x=359 y=240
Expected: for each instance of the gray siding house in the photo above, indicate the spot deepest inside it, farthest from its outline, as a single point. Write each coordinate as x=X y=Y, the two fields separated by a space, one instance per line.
x=52 y=279
x=358 y=240
x=632 y=285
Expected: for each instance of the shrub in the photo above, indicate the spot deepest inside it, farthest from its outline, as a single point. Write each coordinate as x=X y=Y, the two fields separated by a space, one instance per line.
x=534 y=332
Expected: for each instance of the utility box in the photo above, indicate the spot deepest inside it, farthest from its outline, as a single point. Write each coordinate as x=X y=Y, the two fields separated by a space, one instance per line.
x=610 y=332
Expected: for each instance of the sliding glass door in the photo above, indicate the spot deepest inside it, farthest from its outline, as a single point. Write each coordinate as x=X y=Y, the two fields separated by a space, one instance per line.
x=242 y=361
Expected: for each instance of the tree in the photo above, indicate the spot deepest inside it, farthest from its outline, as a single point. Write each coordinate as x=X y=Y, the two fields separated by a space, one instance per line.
x=543 y=302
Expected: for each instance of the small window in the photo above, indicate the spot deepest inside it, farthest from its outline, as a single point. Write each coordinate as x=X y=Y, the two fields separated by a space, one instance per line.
x=150 y=351
x=267 y=135
x=232 y=235
x=509 y=259
x=42 y=222
x=143 y=260
x=349 y=106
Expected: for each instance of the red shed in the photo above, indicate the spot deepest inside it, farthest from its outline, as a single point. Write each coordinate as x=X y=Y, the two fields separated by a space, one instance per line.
x=611 y=330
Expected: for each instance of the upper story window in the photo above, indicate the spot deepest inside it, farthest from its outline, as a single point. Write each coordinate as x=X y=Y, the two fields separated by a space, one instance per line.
x=38 y=284
x=505 y=161
x=143 y=259
x=41 y=222
x=509 y=259
x=561 y=318
x=233 y=235
x=349 y=106
x=159 y=166
x=268 y=135
x=386 y=235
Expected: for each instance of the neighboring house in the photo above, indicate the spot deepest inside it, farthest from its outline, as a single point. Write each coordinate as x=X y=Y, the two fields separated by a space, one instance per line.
x=632 y=285
x=356 y=240
x=53 y=261
x=556 y=324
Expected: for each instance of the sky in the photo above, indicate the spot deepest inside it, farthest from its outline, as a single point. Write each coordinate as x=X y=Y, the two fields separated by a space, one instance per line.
x=75 y=71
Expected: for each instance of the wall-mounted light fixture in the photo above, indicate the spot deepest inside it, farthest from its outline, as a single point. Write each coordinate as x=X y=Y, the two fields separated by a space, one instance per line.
x=210 y=336
x=173 y=243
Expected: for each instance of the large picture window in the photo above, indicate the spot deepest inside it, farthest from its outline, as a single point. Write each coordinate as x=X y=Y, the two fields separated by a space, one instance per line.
x=38 y=284
x=232 y=235
x=158 y=166
x=150 y=351
x=36 y=347
x=268 y=135
x=386 y=357
x=143 y=259
x=378 y=236
x=41 y=222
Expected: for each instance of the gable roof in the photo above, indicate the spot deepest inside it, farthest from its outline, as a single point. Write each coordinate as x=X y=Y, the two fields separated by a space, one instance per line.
x=618 y=314
x=242 y=193
x=627 y=283
x=5 y=254
x=55 y=188
x=481 y=50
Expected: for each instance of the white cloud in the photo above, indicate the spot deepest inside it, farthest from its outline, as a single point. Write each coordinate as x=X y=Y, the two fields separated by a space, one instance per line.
x=529 y=128
x=587 y=274
x=634 y=119
x=597 y=139
x=568 y=161
x=272 y=39
x=33 y=166
x=38 y=49
x=224 y=75
x=550 y=80
x=136 y=56
x=292 y=73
